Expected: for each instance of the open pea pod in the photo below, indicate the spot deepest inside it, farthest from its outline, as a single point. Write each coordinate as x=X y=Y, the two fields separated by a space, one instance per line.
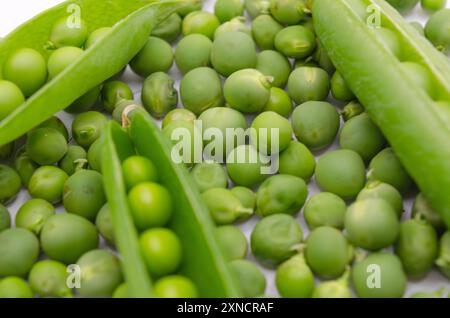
x=414 y=120
x=101 y=61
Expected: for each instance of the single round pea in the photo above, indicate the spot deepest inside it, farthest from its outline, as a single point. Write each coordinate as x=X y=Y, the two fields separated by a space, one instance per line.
x=27 y=69
x=201 y=22
x=315 y=124
x=351 y=110
x=444 y=254
x=62 y=231
x=271 y=63
x=10 y=98
x=104 y=225
x=201 y=89
x=61 y=59
x=403 y=5
x=249 y=278
x=121 y=291
x=232 y=242
x=74 y=159
x=257 y=7
x=279 y=102
x=274 y=238
x=94 y=155
x=294 y=278
x=379 y=275
x=96 y=36
x=295 y=41
x=10 y=183
x=380 y=190
x=297 y=161
x=233 y=51
x=15 y=287
x=49 y=279
x=33 y=214
x=235 y=24
x=114 y=91
x=100 y=274
x=138 y=169
x=371 y=224
x=5 y=218
x=169 y=29
x=281 y=194
x=308 y=84
x=65 y=32
x=161 y=250
x=180 y=114
x=87 y=127
x=225 y=10
x=19 y=249
x=155 y=56
x=422 y=209
x=436 y=30
x=150 y=205
x=57 y=124
x=288 y=12
x=46 y=146
x=209 y=175
x=271 y=134
x=433 y=5
x=175 y=286
x=193 y=51
x=85 y=102
x=246 y=196
x=25 y=167
x=325 y=209
x=244 y=166
x=247 y=90
x=264 y=31
x=47 y=183
x=333 y=289
x=340 y=89
x=159 y=95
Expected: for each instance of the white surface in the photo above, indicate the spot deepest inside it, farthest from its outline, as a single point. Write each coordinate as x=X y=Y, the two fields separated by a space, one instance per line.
x=13 y=13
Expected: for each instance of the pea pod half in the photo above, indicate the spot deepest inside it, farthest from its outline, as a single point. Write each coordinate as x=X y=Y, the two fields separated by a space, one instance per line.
x=411 y=107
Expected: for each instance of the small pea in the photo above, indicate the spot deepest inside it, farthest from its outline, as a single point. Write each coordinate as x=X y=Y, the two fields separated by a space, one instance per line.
x=232 y=242
x=33 y=214
x=338 y=288
x=113 y=92
x=264 y=31
x=25 y=167
x=47 y=183
x=297 y=160
x=263 y=137
x=295 y=41
x=257 y=7
x=249 y=278
x=209 y=175
x=279 y=102
x=155 y=56
x=308 y=84
x=443 y=261
x=49 y=279
x=5 y=218
x=15 y=287
x=340 y=89
x=201 y=22
x=245 y=167
x=422 y=209
x=294 y=278
x=94 y=155
x=46 y=146
x=325 y=209
x=246 y=196
x=74 y=159
x=288 y=12
x=273 y=64
x=235 y=24
x=323 y=59
x=180 y=114
x=138 y=169
x=380 y=190
x=87 y=127
x=159 y=95
x=104 y=224
x=85 y=102
x=225 y=10
x=57 y=124
x=435 y=30
x=351 y=110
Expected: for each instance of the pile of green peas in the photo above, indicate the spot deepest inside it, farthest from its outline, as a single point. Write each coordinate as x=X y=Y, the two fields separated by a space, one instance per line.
x=273 y=74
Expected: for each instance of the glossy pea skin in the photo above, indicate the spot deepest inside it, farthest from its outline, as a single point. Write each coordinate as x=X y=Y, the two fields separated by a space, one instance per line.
x=87 y=127
x=341 y=172
x=104 y=225
x=169 y=29
x=193 y=51
x=19 y=249
x=47 y=183
x=246 y=196
x=279 y=102
x=161 y=250
x=155 y=56
x=235 y=24
x=315 y=124
x=15 y=287
x=264 y=31
x=325 y=209
x=96 y=36
x=244 y=166
x=46 y=146
x=94 y=155
x=114 y=91
x=272 y=133
x=27 y=69
x=138 y=169
x=100 y=274
x=5 y=218
x=295 y=41
x=62 y=58
x=57 y=124
x=247 y=91
x=74 y=159
x=308 y=84
x=232 y=242
x=178 y=114
x=10 y=98
x=184 y=131
x=175 y=286
x=371 y=224
x=209 y=175
x=436 y=30
x=233 y=51
x=10 y=183
x=297 y=160
x=403 y=5
x=48 y=278
x=257 y=7
x=444 y=254
x=383 y=270
x=273 y=64
x=417 y=247
x=281 y=194
x=380 y=190
x=288 y=12
x=159 y=95
x=433 y=5
x=201 y=89
x=422 y=209
x=65 y=32
x=274 y=239
x=340 y=89
x=294 y=278
x=33 y=214
x=249 y=278
x=25 y=167
x=225 y=10
x=201 y=22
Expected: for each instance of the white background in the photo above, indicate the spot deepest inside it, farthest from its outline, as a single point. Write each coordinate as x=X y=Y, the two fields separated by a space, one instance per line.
x=15 y=12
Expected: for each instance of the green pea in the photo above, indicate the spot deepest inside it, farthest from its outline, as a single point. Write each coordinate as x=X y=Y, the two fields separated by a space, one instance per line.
x=390 y=41
x=114 y=91
x=315 y=124
x=15 y=287
x=10 y=98
x=169 y=29
x=264 y=31
x=379 y=275
x=65 y=32
x=193 y=51
x=94 y=155
x=387 y=168
x=443 y=261
x=433 y=5
x=340 y=89
x=351 y=110
x=100 y=274
x=288 y=12
x=297 y=161
x=87 y=127
x=233 y=51
x=380 y=190
x=120 y=108
x=19 y=249
x=275 y=238
x=247 y=90
x=49 y=279
x=33 y=214
x=257 y=7
x=422 y=209
x=161 y=250
x=333 y=289
x=294 y=279
x=325 y=209
x=46 y=146
x=201 y=22
x=417 y=247
x=10 y=183
x=244 y=166
x=246 y=196
x=155 y=56
x=235 y=24
x=436 y=294
x=201 y=89
x=175 y=286
x=57 y=124
x=25 y=167
x=323 y=59
x=61 y=59
x=295 y=41
x=96 y=36
x=225 y=10
x=74 y=159
x=271 y=134
x=435 y=30
x=85 y=102
x=232 y=242
x=179 y=114
x=418 y=26
x=279 y=102
x=138 y=169
x=121 y=291
x=47 y=183
x=159 y=95
x=27 y=69
x=308 y=84
x=209 y=175
x=6 y=151
x=403 y=5
x=249 y=278
x=5 y=218
x=273 y=64
x=180 y=131
x=104 y=225
x=61 y=231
